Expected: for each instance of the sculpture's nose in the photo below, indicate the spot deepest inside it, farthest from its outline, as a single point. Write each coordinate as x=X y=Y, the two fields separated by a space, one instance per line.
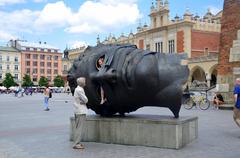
x=109 y=75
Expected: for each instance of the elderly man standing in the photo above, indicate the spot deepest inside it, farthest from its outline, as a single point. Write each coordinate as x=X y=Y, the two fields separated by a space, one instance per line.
x=80 y=111
x=236 y=110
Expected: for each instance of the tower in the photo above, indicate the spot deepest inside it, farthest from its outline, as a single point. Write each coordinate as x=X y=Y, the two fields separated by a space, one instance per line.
x=229 y=61
x=159 y=16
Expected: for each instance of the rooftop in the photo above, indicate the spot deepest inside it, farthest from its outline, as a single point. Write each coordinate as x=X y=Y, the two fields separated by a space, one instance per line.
x=9 y=49
x=36 y=45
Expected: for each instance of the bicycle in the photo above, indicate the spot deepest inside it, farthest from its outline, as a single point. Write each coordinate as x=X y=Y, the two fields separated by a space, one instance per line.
x=194 y=100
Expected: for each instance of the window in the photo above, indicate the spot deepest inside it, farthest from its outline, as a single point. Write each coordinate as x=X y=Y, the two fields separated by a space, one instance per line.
x=28 y=70
x=8 y=67
x=31 y=49
x=49 y=78
x=155 y=22
x=27 y=63
x=42 y=64
x=42 y=57
x=16 y=67
x=148 y=47
x=55 y=64
x=49 y=57
x=27 y=48
x=56 y=58
x=55 y=71
x=27 y=56
x=49 y=64
x=0 y=67
x=16 y=76
x=42 y=71
x=35 y=56
x=49 y=71
x=35 y=63
x=65 y=67
x=159 y=47
x=0 y=58
x=8 y=58
x=161 y=23
x=16 y=59
x=0 y=76
x=206 y=52
x=34 y=71
x=34 y=78
x=171 y=46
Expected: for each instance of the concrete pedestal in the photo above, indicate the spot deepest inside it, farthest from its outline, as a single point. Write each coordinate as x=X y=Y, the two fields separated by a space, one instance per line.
x=144 y=130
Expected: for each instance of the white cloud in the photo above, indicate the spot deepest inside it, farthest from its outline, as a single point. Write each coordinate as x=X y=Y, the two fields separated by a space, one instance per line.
x=99 y=16
x=6 y=36
x=39 y=1
x=17 y=21
x=5 y=2
x=52 y=16
x=85 y=28
x=77 y=44
x=214 y=9
x=115 y=2
x=91 y=17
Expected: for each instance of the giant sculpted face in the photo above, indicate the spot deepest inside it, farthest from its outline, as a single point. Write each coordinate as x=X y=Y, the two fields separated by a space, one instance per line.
x=129 y=78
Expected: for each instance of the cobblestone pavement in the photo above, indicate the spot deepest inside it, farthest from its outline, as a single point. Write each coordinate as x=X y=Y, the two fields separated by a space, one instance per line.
x=26 y=131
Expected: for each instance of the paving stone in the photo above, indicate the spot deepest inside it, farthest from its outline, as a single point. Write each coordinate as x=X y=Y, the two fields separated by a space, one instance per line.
x=26 y=131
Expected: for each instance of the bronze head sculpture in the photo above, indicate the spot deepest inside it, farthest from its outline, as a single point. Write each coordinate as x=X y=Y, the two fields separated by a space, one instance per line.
x=130 y=78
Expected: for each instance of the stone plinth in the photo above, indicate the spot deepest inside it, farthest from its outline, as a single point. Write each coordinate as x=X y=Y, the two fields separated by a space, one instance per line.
x=143 y=130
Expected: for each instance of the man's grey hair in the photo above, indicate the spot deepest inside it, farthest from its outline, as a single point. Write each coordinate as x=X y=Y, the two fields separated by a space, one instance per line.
x=81 y=81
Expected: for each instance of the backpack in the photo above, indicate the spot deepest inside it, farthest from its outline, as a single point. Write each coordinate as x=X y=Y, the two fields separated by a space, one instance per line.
x=50 y=94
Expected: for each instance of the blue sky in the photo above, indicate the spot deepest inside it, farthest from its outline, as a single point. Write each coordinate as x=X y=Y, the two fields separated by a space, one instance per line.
x=78 y=22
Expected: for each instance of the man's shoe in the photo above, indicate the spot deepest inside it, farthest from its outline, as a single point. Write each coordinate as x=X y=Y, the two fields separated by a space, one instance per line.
x=47 y=109
x=78 y=146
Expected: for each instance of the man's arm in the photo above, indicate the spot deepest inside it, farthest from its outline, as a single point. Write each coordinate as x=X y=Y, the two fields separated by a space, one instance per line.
x=83 y=97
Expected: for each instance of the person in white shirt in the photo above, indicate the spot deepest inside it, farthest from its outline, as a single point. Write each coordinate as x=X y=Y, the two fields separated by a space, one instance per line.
x=80 y=111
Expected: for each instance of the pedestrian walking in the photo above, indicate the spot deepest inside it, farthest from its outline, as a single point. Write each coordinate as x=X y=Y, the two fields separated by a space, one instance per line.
x=80 y=111
x=46 y=98
x=236 y=109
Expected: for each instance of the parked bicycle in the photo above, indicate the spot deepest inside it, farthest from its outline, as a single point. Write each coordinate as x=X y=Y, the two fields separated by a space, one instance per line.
x=197 y=100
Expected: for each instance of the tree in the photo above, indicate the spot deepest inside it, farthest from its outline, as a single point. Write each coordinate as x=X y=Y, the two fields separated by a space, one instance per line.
x=58 y=81
x=43 y=81
x=27 y=82
x=8 y=81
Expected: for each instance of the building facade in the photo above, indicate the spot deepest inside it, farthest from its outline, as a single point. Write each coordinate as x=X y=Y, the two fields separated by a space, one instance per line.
x=10 y=62
x=69 y=56
x=197 y=36
x=39 y=59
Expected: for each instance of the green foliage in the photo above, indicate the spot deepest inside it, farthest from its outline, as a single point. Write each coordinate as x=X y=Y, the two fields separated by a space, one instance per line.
x=58 y=81
x=27 y=82
x=43 y=81
x=8 y=81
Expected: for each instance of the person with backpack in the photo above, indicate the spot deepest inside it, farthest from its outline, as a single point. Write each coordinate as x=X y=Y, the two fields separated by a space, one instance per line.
x=46 y=93
x=236 y=109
